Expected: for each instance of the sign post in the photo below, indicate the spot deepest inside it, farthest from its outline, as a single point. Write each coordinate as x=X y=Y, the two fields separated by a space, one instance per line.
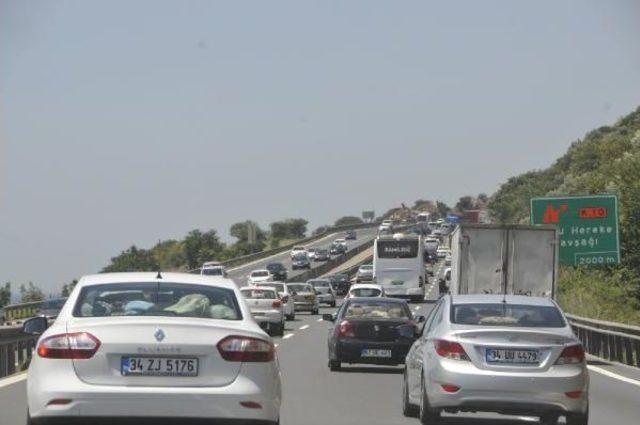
x=587 y=227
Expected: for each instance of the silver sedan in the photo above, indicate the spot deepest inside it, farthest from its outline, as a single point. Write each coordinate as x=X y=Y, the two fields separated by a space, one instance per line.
x=490 y=353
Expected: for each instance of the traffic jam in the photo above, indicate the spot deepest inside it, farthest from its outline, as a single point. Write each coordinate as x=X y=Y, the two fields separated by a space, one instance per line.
x=426 y=305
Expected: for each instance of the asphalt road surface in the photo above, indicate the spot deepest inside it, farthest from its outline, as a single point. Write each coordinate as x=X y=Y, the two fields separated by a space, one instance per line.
x=241 y=273
x=363 y=395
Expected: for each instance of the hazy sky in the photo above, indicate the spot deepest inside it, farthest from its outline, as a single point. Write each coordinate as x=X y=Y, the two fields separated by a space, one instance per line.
x=125 y=122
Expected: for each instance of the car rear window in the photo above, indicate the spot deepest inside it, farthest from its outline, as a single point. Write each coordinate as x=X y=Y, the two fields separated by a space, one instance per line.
x=319 y=284
x=365 y=292
x=260 y=274
x=259 y=293
x=214 y=271
x=301 y=288
x=512 y=315
x=373 y=310
x=157 y=299
x=277 y=287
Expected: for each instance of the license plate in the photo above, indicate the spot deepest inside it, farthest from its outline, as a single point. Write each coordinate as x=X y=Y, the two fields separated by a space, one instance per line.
x=159 y=366
x=367 y=352
x=494 y=355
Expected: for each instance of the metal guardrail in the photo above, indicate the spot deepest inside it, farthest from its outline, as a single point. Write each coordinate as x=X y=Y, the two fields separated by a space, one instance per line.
x=608 y=340
x=15 y=350
x=21 y=311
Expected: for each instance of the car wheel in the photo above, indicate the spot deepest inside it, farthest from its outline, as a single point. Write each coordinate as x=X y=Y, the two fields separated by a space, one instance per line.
x=578 y=418
x=280 y=331
x=427 y=415
x=335 y=365
x=332 y=303
x=549 y=419
x=291 y=317
x=408 y=409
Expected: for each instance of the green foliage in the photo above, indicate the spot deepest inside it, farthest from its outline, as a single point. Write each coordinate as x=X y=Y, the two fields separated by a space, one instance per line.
x=200 y=247
x=348 y=220
x=5 y=294
x=606 y=161
x=133 y=260
x=293 y=228
x=320 y=230
x=68 y=287
x=30 y=293
x=442 y=209
x=465 y=203
x=169 y=254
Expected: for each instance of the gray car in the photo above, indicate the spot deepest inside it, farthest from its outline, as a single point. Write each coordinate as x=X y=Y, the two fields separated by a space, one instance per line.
x=490 y=353
x=365 y=273
x=324 y=291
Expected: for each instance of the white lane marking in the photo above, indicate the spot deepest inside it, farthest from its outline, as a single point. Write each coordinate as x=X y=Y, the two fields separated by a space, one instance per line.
x=527 y=418
x=614 y=375
x=287 y=336
x=5 y=382
x=303 y=327
x=320 y=320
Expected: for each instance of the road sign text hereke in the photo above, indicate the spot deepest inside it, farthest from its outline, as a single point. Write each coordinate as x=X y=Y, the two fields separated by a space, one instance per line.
x=587 y=227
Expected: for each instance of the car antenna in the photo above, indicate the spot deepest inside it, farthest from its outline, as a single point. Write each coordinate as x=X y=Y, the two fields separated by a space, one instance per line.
x=159 y=275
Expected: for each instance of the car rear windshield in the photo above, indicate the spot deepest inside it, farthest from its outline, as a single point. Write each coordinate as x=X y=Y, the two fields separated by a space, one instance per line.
x=274 y=266
x=369 y=267
x=365 y=292
x=259 y=293
x=373 y=310
x=277 y=286
x=157 y=299
x=513 y=315
x=301 y=288
x=319 y=283
x=214 y=271
x=260 y=274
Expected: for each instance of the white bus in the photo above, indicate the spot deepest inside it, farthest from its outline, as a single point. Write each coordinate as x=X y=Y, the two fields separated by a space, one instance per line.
x=398 y=266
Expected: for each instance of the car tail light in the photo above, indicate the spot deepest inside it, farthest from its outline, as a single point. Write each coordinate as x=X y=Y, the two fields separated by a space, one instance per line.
x=572 y=354
x=245 y=349
x=449 y=349
x=345 y=329
x=276 y=304
x=78 y=345
x=450 y=388
x=574 y=394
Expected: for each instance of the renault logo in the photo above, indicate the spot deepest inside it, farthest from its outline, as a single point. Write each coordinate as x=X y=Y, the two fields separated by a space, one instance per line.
x=159 y=334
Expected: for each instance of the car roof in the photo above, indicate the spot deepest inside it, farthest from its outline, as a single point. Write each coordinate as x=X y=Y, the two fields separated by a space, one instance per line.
x=260 y=270
x=139 y=277
x=366 y=286
x=494 y=299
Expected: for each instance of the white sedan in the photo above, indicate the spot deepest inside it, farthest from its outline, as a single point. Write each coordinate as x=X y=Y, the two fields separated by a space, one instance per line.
x=257 y=276
x=365 y=290
x=150 y=345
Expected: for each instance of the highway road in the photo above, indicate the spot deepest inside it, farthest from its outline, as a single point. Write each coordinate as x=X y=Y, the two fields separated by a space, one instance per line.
x=241 y=273
x=312 y=395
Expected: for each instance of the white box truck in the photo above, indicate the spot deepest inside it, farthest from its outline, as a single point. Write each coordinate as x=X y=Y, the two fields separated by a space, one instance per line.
x=499 y=259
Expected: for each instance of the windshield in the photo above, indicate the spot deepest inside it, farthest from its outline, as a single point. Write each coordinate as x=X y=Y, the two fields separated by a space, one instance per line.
x=366 y=292
x=277 y=286
x=366 y=268
x=274 y=267
x=511 y=315
x=213 y=271
x=300 y=288
x=319 y=283
x=157 y=299
x=301 y=257
x=372 y=310
x=261 y=273
x=258 y=293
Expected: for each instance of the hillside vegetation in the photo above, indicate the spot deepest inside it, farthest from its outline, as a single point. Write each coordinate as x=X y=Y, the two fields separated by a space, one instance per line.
x=606 y=160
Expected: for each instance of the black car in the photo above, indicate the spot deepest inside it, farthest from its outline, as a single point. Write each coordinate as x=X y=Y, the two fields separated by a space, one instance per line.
x=300 y=261
x=371 y=330
x=340 y=283
x=337 y=249
x=322 y=254
x=278 y=270
x=350 y=234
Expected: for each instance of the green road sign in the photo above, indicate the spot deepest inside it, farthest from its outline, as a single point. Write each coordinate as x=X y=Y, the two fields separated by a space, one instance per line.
x=587 y=227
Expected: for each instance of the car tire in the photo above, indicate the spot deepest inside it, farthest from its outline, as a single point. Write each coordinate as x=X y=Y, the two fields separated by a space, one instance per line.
x=408 y=409
x=280 y=329
x=332 y=303
x=291 y=317
x=335 y=365
x=578 y=418
x=427 y=415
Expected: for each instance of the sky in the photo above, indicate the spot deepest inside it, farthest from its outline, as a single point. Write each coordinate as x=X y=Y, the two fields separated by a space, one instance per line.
x=127 y=122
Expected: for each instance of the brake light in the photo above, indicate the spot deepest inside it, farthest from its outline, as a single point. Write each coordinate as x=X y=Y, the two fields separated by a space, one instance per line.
x=276 y=304
x=450 y=388
x=573 y=394
x=245 y=349
x=345 y=329
x=450 y=350
x=77 y=345
x=572 y=354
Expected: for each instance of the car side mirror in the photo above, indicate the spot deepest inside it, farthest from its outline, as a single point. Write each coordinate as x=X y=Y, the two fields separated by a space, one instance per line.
x=328 y=317
x=420 y=318
x=407 y=331
x=35 y=325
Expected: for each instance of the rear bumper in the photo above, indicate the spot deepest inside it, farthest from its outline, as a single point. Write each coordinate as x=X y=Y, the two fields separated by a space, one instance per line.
x=505 y=392
x=300 y=306
x=326 y=298
x=350 y=351
x=147 y=420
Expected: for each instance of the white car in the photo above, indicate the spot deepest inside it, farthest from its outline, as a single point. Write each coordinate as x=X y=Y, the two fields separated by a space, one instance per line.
x=151 y=346
x=266 y=308
x=213 y=268
x=311 y=254
x=443 y=252
x=297 y=250
x=365 y=290
x=285 y=296
x=447 y=260
x=261 y=275
x=342 y=242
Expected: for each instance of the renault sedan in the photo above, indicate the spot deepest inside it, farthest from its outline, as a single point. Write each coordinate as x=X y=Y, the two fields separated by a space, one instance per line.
x=147 y=345
x=513 y=355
